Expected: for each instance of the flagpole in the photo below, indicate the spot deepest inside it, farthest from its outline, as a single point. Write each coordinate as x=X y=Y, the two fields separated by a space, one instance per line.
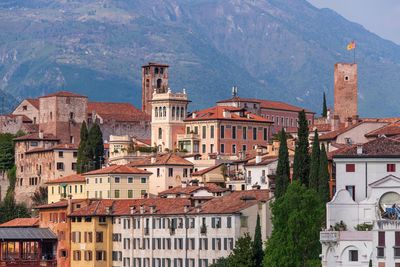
x=354 y=54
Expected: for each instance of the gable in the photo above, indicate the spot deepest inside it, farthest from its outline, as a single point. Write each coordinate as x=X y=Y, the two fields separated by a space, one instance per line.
x=389 y=181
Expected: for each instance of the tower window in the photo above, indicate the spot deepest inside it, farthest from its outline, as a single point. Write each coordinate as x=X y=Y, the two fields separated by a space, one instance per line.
x=156 y=70
x=156 y=112
x=173 y=112
x=164 y=112
x=71 y=115
x=346 y=78
x=161 y=70
x=159 y=81
x=159 y=133
x=51 y=115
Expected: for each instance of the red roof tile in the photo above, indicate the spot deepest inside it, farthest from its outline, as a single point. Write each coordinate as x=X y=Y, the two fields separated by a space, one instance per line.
x=61 y=204
x=387 y=130
x=118 y=169
x=124 y=112
x=56 y=147
x=34 y=102
x=265 y=160
x=234 y=202
x=190 y=189
x=22 y=222
x=217 y=113
x=378 y=148
x=162 y=159
x=63 y=94
x=68 y=179
x=202 y=172
x=35 y=136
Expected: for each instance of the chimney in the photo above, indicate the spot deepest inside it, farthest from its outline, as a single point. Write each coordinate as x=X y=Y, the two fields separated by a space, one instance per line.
x=328 y=115
x=226 y=114
x=186 y=208
x=108 y=210
x=152 y=209
x=183 y=184
x=132 y=209
x=348 y=122
x=141 y=209
x=359 y=149
x=335 y=123
x=258 y=154
x=153 y=159
x=234 y=91
x=354 y=119
x=198 y=209
x=70 y=209
x=41 y=135
x=201 y=184
x=194 y=115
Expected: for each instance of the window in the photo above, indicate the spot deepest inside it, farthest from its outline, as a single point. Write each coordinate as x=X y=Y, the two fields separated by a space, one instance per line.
x=34 y=143
x=203 y=132
x=233 y=149
x=99 y=237
x=222 y=134
x=159 y=133
x=130 y=180
x=244 y=148
x=60 y=166
x=24 y=107
x=116 y=193
x=265 y=134
x=380 y=250
x=143 y=180
x=185 y=172
x=233 y=132
x=254 y=133
x=158 y=172
x=212 y=131
x=228 y=222
x=352 y=190
x=63 y=253
x=170 y=172
x=100 y=255
x=244 y=133
x=391 y=167
x=196 y=129
x=203 y=148
x=350 y=167
x=211 y=148
x=76 y=255
x=222 y=148
x=60 y=154
x=396 y=245
x=353 y=255
x=73 y=166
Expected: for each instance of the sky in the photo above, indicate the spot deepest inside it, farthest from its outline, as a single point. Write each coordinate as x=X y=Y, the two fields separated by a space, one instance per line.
x=381 y=17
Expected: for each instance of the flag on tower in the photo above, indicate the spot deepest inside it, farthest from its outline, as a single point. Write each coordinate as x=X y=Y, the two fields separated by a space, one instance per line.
x=351 y=45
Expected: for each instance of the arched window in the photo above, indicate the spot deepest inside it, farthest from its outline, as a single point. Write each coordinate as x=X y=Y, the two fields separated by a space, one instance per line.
x=164 y=111
x=156 y=70
x=173 y=112
x=161 y=70
x=159 y=82
x=156 y=112
x=159 y=133
x=182 y=113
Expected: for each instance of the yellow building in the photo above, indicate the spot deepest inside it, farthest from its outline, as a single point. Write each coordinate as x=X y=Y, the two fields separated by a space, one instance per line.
x=117 y=181
x=72 y=185
x=91 y=236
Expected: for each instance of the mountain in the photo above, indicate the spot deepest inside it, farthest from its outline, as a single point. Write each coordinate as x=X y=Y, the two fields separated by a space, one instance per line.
x=274 y=49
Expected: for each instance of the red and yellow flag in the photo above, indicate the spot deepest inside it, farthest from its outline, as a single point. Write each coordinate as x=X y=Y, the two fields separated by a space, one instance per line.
x=351 y=45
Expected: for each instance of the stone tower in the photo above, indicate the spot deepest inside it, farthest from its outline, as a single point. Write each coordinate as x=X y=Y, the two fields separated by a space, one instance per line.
x=154 y=78
x=345 y=90
x=61 y=114
x=167 y=119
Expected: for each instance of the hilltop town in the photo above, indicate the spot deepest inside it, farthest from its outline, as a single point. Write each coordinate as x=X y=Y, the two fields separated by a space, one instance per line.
x=110 y=184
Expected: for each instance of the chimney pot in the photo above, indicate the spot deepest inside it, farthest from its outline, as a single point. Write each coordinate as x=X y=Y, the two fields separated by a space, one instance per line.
x=141 y=209
x=186 y=208
x=359 y=149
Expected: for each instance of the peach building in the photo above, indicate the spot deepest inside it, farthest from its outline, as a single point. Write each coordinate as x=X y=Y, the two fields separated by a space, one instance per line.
x=71 y=186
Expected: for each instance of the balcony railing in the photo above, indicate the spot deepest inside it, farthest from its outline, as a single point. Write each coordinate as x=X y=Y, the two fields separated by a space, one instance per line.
x=329 y=236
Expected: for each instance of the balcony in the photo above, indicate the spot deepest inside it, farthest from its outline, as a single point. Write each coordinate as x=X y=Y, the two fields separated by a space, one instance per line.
x=189 y=136
x=203 y=229
x=329 y=236
x=146 y=231
x=172 y=231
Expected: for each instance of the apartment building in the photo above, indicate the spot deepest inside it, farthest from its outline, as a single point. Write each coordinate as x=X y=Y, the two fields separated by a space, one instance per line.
x=71 y=186
x=117 y=181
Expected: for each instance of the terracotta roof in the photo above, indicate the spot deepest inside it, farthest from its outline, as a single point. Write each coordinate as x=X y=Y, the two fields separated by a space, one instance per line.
x=118 y=169
x=60 y=204
x=35 y=136
x=216 y=113
x=144 y=141
x=155 y=64
x=378 y=148
x=162 y=159
x=387 y=130
x=34 y=102
x=234 y=202
x=56 y=147
x=265 y=160
x=68 y=179
x=22 y=222
x=326 y=127
x=123 y=206
x=202 y=172
x=190 y=189
x=336 y=133
x=124 y=112
x=63 y=94
x=25 y=119
x=339 y=150
x=267 y=104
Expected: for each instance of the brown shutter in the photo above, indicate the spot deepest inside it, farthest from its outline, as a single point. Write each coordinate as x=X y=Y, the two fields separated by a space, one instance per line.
x=381 y=239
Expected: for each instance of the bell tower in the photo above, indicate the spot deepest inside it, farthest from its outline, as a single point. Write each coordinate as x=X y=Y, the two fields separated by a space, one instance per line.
x=345 y=90
x=154 y=79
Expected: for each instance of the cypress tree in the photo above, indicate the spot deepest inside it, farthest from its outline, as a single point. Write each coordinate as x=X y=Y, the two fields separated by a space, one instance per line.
x=95 y=147
x=314 y=165
x=324 y=108
x=283 y=168
x=323 y=187
x=82 y=159
x=258 y=252
x=301 y=164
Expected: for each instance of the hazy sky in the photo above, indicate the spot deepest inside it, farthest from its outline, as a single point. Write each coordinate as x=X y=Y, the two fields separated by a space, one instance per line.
x=378 y=16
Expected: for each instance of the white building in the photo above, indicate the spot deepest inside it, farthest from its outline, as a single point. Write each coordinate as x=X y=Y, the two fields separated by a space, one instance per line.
x=170 y=232
x=257 y=171
x=362 y=224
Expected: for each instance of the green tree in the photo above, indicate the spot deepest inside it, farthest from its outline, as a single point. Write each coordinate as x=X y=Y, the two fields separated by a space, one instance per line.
x=6 y=151
x=283 y=169
x=297 y=219
x=39 y=197
x=222 y=262
x=323 y=185
x=324 y=108
x=257 y=245
x=12 y=179
x=242 y=255
x=314 y=164
x=95 y=146
x=9 y=210
x=301 y=164
x=82 y=159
